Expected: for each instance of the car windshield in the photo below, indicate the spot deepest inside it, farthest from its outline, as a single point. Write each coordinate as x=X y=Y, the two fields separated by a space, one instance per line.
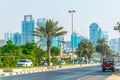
x=23 y=61
x=109 y=62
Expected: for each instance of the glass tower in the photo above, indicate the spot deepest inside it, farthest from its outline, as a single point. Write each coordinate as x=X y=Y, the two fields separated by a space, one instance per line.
x=76 y=40
x=95 y=33
x=114 y=45
x=119 y=46
x=8 y=36
x=41 y=23
x=56 y=41
x=28 y=25
x=17 y=38
x=105 y=36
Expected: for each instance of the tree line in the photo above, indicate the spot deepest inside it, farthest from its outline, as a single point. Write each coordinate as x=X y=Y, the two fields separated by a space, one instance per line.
x=10 y=54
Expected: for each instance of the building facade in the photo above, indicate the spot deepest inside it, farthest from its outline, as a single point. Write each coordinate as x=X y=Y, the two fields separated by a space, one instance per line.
x=84 y=39
x=17 y=38
x=105 y=36
x=114 y=45
x=41 y=23
x=76 y=40
x=56 y=41
x=8 y=36
x=2 y=42
x=95 y=33
x=28 y=25
x=119 y=46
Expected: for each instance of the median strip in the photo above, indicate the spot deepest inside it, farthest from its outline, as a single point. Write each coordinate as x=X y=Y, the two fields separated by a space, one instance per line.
x=11 y=72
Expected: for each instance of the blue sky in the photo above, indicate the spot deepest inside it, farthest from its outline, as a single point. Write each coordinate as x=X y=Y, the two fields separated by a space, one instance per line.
x=104 y=12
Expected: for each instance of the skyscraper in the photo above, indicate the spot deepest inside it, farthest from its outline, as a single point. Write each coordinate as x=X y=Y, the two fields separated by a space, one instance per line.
x=2 y=42
x=76 y=40
x=95 y=33
x=119 y=46
x=105 y=36
x=41 y=23
x=60 y=38
x=28 y=25
x=114 y=45
x=8 y=36
x=84 y=39
x=17 y=38
x=54 y=41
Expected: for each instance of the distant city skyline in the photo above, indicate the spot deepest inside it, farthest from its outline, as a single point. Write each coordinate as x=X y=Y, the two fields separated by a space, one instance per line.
x=104 y=12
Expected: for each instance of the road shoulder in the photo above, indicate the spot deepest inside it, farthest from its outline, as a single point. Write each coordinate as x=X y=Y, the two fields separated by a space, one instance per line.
x=115 y=76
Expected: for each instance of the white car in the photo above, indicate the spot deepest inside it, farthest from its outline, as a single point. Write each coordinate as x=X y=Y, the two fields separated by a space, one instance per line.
x=25 y=63
x=117 y=65
x=46 y=63
x=62 y=62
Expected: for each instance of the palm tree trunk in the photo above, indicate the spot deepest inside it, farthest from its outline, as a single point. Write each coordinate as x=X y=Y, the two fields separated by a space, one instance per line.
x=48 y=50
x=86 y=58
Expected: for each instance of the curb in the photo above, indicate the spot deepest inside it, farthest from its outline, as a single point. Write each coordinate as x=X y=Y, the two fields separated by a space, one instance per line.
x=28 y=71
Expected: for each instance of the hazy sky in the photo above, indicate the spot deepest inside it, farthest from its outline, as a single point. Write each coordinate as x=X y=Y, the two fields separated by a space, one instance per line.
x=104 y=12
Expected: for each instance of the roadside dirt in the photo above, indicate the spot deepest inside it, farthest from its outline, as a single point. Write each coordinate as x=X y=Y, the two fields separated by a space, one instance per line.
x=114 y=77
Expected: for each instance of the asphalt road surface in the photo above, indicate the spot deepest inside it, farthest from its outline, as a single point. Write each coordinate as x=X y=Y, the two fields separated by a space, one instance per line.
x=82 y=73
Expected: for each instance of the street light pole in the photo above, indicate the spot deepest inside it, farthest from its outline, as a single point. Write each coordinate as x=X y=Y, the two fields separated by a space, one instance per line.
x=72 y=11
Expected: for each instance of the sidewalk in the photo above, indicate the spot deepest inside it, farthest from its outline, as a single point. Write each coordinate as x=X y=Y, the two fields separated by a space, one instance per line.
x=115 y=76
x=39 y=69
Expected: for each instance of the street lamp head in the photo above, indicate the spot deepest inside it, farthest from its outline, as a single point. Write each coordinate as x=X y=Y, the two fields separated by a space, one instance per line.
x=71 y=11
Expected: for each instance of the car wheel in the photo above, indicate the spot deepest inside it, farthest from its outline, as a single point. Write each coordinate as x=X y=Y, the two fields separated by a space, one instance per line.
x=113 y=70
x=103 y=70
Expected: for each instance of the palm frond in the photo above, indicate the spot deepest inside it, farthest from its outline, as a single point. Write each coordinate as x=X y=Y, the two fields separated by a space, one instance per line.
x=62 y=41
x=60 y=33
x=117 y=27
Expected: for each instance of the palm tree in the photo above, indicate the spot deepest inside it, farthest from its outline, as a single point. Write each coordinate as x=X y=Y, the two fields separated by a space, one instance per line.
x=50 y=30
x=85 y=49
x=102 y=48
x=117 y=27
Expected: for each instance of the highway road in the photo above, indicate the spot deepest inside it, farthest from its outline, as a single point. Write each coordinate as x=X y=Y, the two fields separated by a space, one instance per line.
x=82 y=73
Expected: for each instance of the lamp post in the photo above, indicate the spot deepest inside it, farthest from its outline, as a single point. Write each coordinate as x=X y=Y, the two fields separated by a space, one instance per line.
x=72 y=11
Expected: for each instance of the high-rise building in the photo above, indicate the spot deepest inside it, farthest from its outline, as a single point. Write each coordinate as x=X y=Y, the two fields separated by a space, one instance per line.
x=2 y=42
x=28 y=25
x=105 y=36
x=56 y=41
x=119 y=46
x=76 y=40
x=114 y=45
x=41 y=23
x=8 y=36
x=95 y=33
x=17 y=38
x=84 y=39
x=60 y=38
